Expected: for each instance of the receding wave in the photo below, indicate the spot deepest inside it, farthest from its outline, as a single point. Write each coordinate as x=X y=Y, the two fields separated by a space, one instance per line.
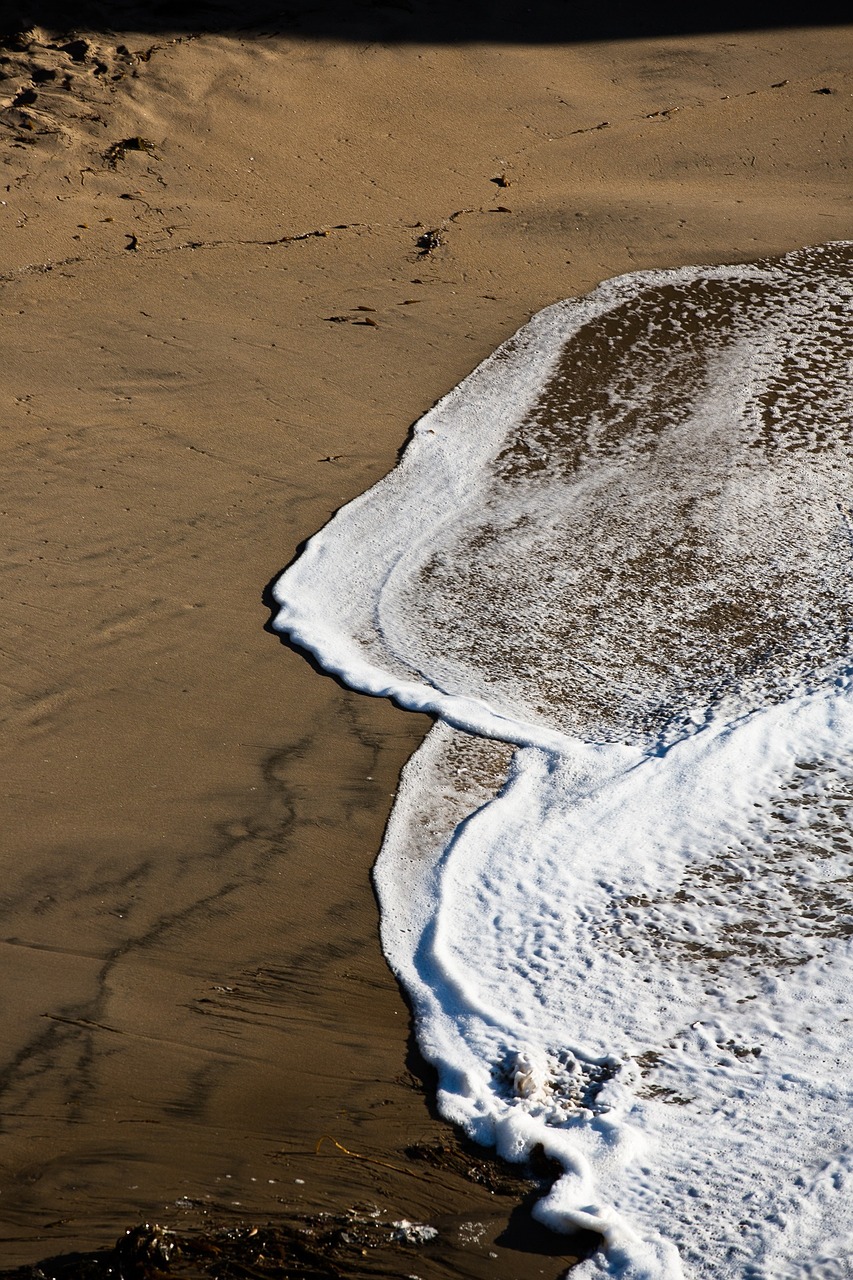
x=615 y=563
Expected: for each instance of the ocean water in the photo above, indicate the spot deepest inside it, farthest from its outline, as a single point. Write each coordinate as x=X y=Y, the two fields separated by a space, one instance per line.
x=615 y=565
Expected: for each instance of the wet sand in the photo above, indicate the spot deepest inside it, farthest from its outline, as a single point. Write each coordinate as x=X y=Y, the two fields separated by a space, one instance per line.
x=214 y=336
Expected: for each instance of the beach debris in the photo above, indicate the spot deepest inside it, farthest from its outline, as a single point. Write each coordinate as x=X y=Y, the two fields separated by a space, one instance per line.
x=823 y=90
x=356 y=1155
x=331 y=457
x=319 y=1246
x=132 y=241
x=323 y=1246
x=428 y=241
x=118 y=150
x=374 y=324
x=501 y=180
x=451 y=1157
x=145 y=1247
x=360 y=1242
x=406 y=1232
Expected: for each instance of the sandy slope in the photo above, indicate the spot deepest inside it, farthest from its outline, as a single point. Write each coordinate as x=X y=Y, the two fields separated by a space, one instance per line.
x=191 y=984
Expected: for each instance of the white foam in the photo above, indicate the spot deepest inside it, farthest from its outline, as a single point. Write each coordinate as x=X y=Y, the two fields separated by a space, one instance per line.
x=621 y=545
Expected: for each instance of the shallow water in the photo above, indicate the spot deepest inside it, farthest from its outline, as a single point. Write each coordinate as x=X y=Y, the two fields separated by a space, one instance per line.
x=623 y=547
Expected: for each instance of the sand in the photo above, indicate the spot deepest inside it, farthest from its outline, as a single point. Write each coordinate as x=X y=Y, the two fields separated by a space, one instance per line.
x=214 y=335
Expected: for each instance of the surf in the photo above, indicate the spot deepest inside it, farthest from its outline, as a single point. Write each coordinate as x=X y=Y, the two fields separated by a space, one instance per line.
x=614 y=564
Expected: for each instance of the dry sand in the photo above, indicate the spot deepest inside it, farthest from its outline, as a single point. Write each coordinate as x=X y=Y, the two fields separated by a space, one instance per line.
x=193 y=992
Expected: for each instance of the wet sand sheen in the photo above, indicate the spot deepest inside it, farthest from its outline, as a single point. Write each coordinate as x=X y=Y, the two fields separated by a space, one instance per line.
x=192 y=980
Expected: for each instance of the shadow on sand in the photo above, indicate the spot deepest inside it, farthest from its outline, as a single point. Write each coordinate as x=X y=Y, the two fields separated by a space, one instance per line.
x=421 y=21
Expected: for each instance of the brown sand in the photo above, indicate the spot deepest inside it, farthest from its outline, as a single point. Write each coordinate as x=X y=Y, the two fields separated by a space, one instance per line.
x=193 y=993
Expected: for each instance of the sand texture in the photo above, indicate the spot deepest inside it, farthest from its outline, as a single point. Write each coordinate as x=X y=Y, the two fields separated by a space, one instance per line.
x=235 y=267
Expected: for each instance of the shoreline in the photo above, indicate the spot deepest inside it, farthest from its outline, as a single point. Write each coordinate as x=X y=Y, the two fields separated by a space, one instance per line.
x=212 y=344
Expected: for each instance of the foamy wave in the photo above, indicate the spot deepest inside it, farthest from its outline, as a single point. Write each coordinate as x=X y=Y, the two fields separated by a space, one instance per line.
x=622 y=546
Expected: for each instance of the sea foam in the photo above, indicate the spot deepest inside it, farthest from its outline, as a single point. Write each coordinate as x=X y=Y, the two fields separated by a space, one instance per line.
x=614 y=564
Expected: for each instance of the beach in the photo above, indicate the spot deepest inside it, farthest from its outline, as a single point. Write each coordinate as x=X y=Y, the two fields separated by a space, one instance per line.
x=237 y=266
